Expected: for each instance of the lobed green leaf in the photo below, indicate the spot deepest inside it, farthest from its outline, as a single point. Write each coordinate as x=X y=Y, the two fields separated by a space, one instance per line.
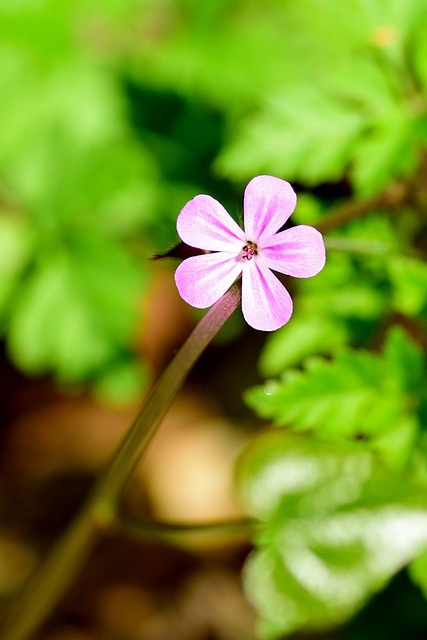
x=355 y=395
x=336 y=527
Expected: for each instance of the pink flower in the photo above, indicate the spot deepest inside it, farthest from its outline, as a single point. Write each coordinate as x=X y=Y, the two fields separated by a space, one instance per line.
x=253 y=252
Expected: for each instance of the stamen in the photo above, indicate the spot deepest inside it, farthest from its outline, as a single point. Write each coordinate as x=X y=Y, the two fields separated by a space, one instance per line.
x=249 y=251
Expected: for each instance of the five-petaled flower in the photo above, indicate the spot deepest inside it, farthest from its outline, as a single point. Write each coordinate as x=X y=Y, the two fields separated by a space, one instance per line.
x=252 y=253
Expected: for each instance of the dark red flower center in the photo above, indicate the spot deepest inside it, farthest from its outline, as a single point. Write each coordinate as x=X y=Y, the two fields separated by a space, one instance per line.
x=249 y=251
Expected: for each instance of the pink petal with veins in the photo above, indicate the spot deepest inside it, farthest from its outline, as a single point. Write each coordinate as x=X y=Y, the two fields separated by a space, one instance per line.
x=266 y=304
x=205 y=224
x=268 y=203
x=298 y=252
x=202 y=280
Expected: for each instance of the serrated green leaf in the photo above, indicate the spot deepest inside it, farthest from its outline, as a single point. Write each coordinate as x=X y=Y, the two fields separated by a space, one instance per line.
x=304 y=336
x=335 y=398
x=356 y=395
x=359 y=115
x=397 y=445
x=344 y=290
x=303 y=134
x=405 y=360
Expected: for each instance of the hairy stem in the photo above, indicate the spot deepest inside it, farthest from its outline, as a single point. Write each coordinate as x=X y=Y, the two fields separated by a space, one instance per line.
x=51 y=579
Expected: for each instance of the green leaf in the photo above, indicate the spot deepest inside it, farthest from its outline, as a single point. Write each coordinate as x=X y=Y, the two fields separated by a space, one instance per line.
x=409 y=279
x=384 y=153
x=332 y=397
x=356 y=395
x=306 y=335
x=280 y=465
x=122 y=383
x=418 y=572
x=52 y=326
x=352 y=108
x=76 y=311
x=221 y=53
x=419 y=51
x=345 y=303
x=303 y=134
x=15 y=252
x=335 y=529
x=405 y=361
x=112 y=282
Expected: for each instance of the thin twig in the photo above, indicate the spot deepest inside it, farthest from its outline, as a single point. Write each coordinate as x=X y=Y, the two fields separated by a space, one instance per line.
x=340 y=215
x=183 y=534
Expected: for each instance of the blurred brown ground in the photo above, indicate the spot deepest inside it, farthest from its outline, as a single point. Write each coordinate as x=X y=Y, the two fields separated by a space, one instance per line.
x=53 y=444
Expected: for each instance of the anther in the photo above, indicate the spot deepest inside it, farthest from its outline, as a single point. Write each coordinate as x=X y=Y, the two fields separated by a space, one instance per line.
x=249 y=251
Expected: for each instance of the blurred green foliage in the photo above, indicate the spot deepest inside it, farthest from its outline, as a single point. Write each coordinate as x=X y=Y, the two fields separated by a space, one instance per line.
x=77 y=192
x=112 y=115
x=336 y=528
x=322 y=554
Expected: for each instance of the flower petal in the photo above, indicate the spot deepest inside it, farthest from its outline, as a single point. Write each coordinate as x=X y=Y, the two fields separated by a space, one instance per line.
x=298 y=252
x=268 y=203
x=202 y=280
x=266 y=304
x=205 y=224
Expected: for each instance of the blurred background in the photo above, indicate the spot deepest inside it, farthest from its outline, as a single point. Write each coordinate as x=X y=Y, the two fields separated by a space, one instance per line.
x=113 y=114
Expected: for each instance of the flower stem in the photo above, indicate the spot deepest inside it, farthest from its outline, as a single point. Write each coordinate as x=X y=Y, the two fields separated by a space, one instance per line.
x=51 y=579
x=183 y=534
